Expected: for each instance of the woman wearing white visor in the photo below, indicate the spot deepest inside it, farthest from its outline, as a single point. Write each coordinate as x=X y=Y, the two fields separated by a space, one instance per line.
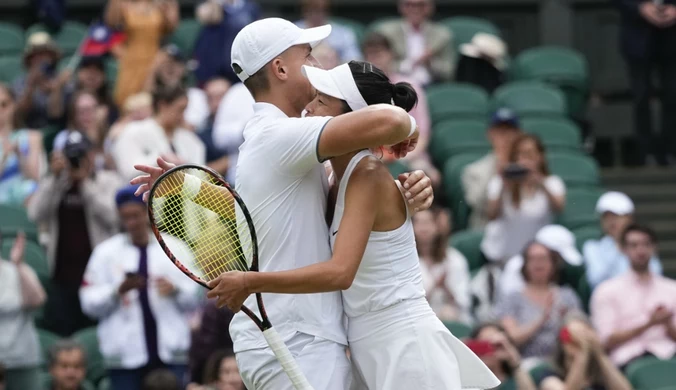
x=396 y=340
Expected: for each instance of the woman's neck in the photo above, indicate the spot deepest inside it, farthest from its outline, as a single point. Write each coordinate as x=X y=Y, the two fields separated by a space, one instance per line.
x=340 y=164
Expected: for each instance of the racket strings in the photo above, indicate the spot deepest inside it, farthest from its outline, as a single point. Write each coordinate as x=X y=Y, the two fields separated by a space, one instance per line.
x=207 y=233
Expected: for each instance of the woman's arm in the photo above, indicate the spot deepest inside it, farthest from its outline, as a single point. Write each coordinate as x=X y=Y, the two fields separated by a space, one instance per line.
x=556 y=194
x=576 y=377
x=31 y=160
x=611 y=376
x=497 y=189
x=170 y=15
x=114 y=14
x=522 y=333
x=32 y=293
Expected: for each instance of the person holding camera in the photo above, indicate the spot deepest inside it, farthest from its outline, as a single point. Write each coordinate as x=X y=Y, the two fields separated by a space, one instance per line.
x=522 y=198
x=77 y=205
x=40 y=93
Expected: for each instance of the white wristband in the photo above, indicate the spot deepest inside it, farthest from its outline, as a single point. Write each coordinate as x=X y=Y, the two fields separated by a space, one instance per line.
x=414 y=125
x=191 y=186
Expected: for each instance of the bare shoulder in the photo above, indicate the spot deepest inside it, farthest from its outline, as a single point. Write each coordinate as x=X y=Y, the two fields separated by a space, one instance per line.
x=373 y=171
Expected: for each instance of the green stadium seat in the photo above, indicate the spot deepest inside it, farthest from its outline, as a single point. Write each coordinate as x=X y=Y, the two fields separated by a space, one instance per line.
x=453 y=191
x=96 y=369
x=34 y=256
x=459 y=329
x=539 y=370
x=397 y=167
x=111 y=66
x=586 y=233
x=580 y=208
x=15 y=219
x=11 y=67
x=13 y=40
x=561 y=66
x=68 y=38
x=457 y=101
x=185 y=36
x=468 y=242
x=46 y=339
x=556 y=133
x=531 y=98
x=357 y=27
x=651 y=373
x=465 y=27
x=577 y=170
x=455 y=137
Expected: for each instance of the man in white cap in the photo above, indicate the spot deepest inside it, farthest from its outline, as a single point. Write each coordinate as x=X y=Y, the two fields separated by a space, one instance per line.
x=555 y=237
x=604 y=258
x=281 y=178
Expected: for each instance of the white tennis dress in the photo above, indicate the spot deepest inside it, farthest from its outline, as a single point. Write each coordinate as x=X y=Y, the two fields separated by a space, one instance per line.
x=396 y=340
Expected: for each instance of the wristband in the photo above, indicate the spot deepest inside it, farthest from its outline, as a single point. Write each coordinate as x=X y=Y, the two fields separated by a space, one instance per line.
x=414 y=125
x=191 y=186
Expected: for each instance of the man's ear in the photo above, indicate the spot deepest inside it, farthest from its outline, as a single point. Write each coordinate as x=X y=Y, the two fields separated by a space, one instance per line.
x=279 y=69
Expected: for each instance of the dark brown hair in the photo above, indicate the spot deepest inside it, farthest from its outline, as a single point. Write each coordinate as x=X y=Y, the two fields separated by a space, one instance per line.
x=557 y=263
x=514 y=155
x=213 y=365
x=376 y=40
x=635 y=227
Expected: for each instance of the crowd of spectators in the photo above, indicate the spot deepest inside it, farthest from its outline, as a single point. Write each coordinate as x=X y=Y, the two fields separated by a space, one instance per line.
x=155 y=328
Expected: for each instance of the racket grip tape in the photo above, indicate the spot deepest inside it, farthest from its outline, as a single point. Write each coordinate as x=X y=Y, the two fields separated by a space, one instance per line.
x=287 y=361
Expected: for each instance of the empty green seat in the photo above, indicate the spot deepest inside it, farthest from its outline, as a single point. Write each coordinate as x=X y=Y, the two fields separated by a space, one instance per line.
x=459 y=329
x=575 y=169
x=580 y=208
x=468 y=242
x=11 y=67
x=453 y=190
x=455 y=137
x=357 y=28
x=68 y=38
x=465 y=27
x=651 y=373
x=12 y=42
x=397 y=167
x=46 y=339
x=96 y=369
x=34 y=256
x=111 y=67
x=15 y=219
x=185 y=35
x=531 y=98
x=457 y=101
x=555 y=133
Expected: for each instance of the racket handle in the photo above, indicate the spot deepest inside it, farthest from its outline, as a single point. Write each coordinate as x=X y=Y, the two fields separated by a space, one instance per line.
x=287 y=361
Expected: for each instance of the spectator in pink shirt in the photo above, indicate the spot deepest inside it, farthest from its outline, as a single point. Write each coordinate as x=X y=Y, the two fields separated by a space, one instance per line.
x=634 y=312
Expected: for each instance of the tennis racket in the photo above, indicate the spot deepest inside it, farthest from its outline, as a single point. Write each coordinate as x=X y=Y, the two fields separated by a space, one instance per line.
x=205 y=229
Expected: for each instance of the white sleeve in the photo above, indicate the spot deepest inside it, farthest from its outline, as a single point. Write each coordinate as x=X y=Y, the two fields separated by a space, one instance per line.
x=494 y=187
x=130 y=149
x=98 y=294
x=198 y=107
x=555 y=185
x=293 y=144
x=234 y=111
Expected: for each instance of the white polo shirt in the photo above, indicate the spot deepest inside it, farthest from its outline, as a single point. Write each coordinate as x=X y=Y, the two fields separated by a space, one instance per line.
x=285 y=188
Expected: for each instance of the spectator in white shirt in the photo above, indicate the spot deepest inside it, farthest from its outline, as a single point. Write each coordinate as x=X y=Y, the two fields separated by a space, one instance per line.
x=444 y=269
x=522 y=198
x=217 y=158
x=143 y=142
x=140 y=299
x=605 y=258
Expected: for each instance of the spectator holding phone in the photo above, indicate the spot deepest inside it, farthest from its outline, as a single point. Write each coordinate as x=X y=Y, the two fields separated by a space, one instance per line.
x=522 y=198
x=581 y=362
x=40 y=92
x=493 y=346
x=533 y=316
x=141 y=300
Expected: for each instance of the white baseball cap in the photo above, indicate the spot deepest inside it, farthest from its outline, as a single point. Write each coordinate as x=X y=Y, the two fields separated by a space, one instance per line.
x=560 y=240
x=261 y=41
x=337 y=82
x=615 y=202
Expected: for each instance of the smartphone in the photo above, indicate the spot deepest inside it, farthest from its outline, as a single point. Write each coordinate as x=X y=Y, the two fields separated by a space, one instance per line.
x=515 y=172
x=48 y=69
x=131 y=274
x=481 y=347
x=564 y=336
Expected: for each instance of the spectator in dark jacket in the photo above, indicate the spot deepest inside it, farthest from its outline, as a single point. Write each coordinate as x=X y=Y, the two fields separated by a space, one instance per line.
x=211 y=336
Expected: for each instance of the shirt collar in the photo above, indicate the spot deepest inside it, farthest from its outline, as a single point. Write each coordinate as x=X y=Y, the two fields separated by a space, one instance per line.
x=267 y=109
x=634 y=277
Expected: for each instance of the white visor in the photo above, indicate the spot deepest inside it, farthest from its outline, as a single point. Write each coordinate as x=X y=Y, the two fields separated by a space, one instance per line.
x=338 y=83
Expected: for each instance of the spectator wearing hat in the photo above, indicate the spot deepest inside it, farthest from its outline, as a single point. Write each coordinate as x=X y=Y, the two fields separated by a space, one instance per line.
x=20 y=294
x=557 y=239
x=221 y=21
x=76 y=203
x=533 y=316
x=634 y=312
x=604 y=258
x=140 y=299
x=423 y=49
x=40 y=93
x=342 y=39
x=163 y=135
x=503 y=130
x=482 y=62
x=145 y=22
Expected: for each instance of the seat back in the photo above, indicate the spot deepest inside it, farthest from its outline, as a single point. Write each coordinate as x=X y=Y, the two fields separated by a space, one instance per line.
x=457 y=101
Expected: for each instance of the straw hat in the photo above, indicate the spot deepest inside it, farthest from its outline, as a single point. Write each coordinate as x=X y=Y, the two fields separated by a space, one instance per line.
x=40 y=42
x=486 y=46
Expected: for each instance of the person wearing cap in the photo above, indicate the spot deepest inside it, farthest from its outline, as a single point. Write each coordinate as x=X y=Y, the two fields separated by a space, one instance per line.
x=634 y=312
x=533 y=315
x=555 y=237
x=40 y=93
x=281 y=176
x=145 y=22
x=482 y=62
x=423 y=48
x=503 y=130
x=140 y=299
x=604 y=258
x=77 y=205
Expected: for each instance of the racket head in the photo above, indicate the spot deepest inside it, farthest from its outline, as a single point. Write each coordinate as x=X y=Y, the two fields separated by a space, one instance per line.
x=204 y=232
